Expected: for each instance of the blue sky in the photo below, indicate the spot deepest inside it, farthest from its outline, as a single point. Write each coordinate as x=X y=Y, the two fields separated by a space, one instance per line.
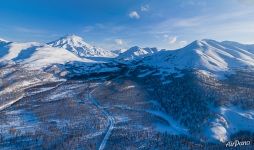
x=123 y=23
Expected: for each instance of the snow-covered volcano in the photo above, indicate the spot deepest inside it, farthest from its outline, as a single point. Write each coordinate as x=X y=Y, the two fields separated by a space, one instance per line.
x=79 y=47
x=208 y=55
x=36 y=55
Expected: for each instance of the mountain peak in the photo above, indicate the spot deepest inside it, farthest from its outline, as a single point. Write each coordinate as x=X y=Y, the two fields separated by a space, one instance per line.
x=73 y=37
x=3 y=41
x=136 y=52
x=209 y=55
x=134 y=48
x=119 y=51
x=197 y=44
x=79 y=47
x=71 y=40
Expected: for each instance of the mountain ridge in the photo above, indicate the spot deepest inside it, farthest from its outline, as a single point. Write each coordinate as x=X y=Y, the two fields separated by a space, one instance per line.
x=207 y=55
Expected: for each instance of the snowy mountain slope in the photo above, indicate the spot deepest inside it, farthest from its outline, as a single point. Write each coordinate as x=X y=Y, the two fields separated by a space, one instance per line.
x=228 y=121
x=45 y=56
x=12 y=50
x=136 y=53
x=36 y=55
x=78 y=46
x=209 y=55
x=236 y=45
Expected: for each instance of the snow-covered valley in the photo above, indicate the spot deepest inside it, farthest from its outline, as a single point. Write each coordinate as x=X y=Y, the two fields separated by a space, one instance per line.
x=68 y=94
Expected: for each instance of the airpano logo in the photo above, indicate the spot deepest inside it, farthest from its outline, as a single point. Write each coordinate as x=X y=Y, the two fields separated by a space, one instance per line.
x=237 y=143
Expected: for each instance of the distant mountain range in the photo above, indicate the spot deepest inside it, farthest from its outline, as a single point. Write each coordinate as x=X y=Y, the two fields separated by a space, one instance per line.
x=206 y=55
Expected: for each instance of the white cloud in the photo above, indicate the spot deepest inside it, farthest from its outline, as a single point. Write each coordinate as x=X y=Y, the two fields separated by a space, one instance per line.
x=145 y=7
x=119 y=41
x=235 y=26
x=134 y=15
x=172 y=40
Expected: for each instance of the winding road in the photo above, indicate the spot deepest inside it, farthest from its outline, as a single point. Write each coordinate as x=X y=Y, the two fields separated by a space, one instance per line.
x=111 y=120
